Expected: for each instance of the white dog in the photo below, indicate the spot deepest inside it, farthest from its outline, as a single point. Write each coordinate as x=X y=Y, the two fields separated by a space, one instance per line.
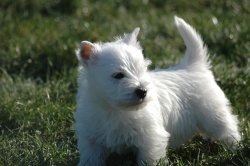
x=121 y=105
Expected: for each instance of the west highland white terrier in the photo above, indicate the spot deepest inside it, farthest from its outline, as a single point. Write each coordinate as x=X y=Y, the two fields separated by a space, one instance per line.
x=121 y=105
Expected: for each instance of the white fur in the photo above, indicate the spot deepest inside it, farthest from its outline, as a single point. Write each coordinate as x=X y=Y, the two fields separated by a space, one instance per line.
x=180 y=101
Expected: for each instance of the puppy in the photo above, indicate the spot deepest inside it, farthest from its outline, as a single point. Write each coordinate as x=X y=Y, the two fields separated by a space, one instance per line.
x=121 y=105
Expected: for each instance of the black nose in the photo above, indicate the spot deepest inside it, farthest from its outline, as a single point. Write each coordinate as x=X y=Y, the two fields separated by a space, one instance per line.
x=141 y=93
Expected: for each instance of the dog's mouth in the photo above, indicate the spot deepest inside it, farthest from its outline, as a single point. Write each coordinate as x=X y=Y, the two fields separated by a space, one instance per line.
x=137 y=102
x=133 y=103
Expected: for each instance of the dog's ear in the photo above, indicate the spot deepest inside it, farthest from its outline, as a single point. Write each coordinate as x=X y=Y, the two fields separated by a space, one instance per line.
x=131 y=38
x=85 y=52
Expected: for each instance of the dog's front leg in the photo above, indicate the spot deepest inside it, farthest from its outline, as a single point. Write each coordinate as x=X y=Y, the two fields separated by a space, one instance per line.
x=91 y=155
x=152 y=148
x=145 y=157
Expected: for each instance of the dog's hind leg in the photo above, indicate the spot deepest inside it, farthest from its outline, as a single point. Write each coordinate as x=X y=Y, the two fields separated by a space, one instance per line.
x=219 y=123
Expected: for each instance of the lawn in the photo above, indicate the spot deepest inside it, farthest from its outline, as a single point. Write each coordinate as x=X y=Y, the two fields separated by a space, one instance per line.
x=38 y=70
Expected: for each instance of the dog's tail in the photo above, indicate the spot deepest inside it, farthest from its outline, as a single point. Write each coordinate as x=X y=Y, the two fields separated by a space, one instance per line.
x=196 y=52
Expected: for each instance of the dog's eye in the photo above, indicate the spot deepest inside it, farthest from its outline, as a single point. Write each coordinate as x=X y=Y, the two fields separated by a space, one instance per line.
x=118 y=75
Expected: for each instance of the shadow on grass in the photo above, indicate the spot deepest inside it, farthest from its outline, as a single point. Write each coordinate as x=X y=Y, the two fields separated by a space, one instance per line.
x=7 y=121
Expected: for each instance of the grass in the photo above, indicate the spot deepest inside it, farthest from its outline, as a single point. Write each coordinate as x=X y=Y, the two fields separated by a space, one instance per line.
x=38 y=70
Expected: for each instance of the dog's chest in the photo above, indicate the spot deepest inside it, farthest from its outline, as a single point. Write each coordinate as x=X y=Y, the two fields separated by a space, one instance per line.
x=119 y=135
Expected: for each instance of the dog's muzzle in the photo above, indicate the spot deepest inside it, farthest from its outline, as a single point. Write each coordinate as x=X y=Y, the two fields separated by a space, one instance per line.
x=141 y=93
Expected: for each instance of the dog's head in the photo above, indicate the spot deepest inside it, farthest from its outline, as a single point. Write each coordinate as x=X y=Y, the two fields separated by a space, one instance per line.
x=117 y=71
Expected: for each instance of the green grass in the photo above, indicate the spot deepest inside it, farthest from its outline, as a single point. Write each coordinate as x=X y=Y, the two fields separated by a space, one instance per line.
x=38 y=70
